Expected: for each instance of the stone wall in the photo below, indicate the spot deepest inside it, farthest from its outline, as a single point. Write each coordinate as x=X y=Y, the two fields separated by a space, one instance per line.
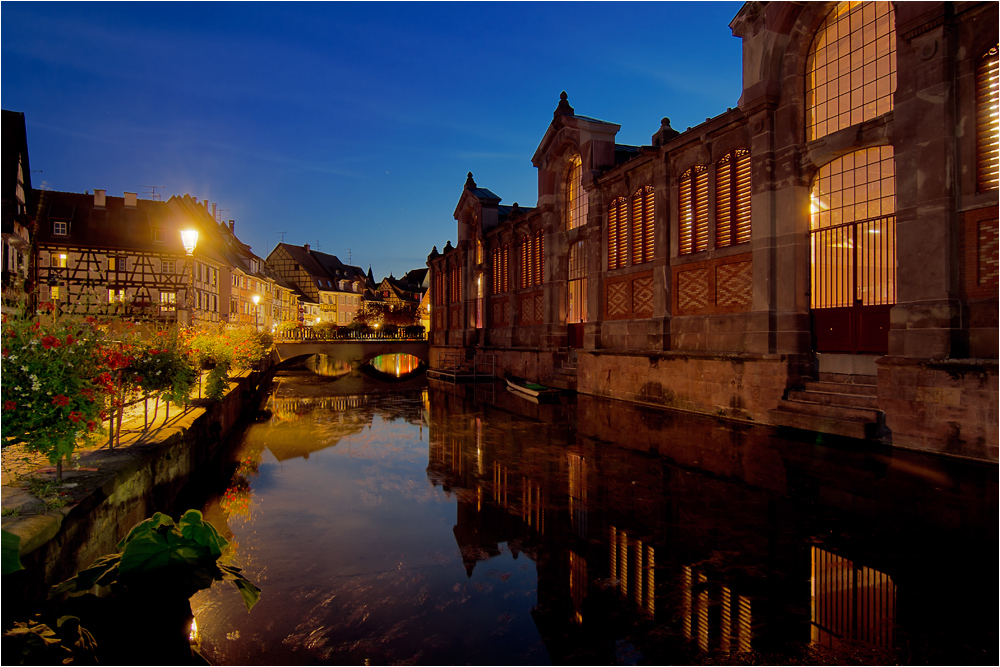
x=948 y=407
x=731 y=386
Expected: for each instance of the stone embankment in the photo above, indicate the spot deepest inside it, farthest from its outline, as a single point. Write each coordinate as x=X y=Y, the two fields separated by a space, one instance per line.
x=105 y=492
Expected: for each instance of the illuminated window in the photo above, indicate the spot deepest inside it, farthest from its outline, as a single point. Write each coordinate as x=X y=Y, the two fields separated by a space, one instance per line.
x=168 y=301
x=479 y=251
x=732 y=199
x=987 y=128
x=693 y=210
x=617 y=233
x=57 y=260
x=456 y=284
x=525 y=258
x=538 y=259
x=54 y=292
x=642 y=225
x=500 y=280
x=851 y=71
x=577 y=311
x=576 y=198
x=853 y=230
x=60 y=228
x=116 y=295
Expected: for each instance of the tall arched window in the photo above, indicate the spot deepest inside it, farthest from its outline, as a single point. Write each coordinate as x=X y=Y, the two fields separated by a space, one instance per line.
x=851 y=70
x=538 y=259
x=732 y=199
x=617 y=233
x=576 y=198
x=642 y=225
x=577 y=311
x=853 y=230
x=987 y=128
x=693 y=210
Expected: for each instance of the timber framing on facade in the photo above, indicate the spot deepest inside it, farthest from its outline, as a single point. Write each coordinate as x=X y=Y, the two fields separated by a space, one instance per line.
x=821 y=257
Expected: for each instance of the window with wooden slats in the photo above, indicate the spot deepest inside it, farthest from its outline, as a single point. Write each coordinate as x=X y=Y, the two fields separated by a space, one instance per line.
x=851 y=69
x=524 y=274
x=577 y=285
x=505 y=268
x=497 y=269
x=693 y=216
x=642 y=225
x=538 y=259
x=576 y=198
x=617 y=233
x=732 y=199
x=987 y=128
x=456 y=284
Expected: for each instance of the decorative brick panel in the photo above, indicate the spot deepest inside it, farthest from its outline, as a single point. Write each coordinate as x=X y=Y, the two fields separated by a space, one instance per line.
x=456 y=318
x=989 y=245
x=642 y=297
x=530 y=308
x=694 y=290
x=617 y=306
x=439 y=320
x=734 y=285
x=501 y=312
x=539 y=309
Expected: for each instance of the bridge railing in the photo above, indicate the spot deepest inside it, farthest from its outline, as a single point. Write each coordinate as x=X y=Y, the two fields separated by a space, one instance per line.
x=346 y=334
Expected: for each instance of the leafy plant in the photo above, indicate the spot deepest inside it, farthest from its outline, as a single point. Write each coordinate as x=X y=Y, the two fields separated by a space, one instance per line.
x=36 y=643
x=181 y=557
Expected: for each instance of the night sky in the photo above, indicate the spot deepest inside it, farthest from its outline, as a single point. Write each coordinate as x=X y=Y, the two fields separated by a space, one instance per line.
x=348 y=126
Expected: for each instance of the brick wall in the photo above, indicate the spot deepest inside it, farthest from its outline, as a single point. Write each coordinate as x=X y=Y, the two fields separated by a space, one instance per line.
x=629 y=297
x=723 y=285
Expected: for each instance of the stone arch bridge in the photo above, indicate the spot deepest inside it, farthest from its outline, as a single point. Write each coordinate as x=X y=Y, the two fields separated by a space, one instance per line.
x=353 y=351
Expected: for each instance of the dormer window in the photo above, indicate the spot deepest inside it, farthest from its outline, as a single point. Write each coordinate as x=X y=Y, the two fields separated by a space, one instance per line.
x=60 y=228
x=157 y=236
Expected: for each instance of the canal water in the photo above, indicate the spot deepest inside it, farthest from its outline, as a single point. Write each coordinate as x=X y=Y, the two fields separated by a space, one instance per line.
x=407 y=523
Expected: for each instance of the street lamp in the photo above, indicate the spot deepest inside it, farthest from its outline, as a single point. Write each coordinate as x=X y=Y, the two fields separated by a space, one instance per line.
x=256 y=311
x=189 y=239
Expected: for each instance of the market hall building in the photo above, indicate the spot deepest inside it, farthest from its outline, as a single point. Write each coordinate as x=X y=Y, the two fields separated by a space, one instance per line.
x=824 y=256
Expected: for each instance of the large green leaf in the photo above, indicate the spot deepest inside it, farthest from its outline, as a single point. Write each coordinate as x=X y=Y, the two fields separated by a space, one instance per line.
x=145 y=552
x=158 y=523
x=194 y=527
x=249 y=592
x=10 y=553
x=101 y=573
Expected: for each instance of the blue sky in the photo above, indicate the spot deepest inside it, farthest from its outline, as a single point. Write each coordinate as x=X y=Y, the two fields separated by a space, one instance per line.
x=349 y=126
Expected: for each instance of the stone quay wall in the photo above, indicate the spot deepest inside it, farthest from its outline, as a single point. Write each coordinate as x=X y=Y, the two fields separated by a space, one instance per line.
x=130 y=483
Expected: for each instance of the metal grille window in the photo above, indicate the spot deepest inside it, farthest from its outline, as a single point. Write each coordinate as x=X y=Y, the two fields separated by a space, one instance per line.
x=617 y=233
x=576 y=198
x=577 y=311
x=987 y=128
x=524 y=256
x=851 y=71
x=642 y=225
x=694 y=210
x=732 y=199
x=456 y=284
x=853 y=230
x=501 y=281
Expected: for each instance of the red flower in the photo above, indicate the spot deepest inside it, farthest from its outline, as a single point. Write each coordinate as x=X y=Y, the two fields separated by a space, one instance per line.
x=35 y=326
x=91 y=426
x=154 y=351
x=50 y=342
x=49 y=306
x=69 y=339
x=9 y=405
x=75 y=416
x=60 y=401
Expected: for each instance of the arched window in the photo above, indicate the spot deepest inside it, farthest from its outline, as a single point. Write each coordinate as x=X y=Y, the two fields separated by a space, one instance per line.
x=617 y=233
x=501 y=281
x=576 y=198
x=538 y=259
x=732 y=199
x=853 y=230
x=642 y=225
x=987 y=128
x=577 y=284
x=524 y=255
x=851 y=70
x=693 y=210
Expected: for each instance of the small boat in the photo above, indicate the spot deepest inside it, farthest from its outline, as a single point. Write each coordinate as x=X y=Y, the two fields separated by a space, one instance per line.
x=532 y=389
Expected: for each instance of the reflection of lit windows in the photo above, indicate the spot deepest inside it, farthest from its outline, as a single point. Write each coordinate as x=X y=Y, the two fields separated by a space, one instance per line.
x=633 y=565
x=734 y=617
x=850 y=601
x=578 y=582
x=987 y=126
x=851 y=70
x=578 y=493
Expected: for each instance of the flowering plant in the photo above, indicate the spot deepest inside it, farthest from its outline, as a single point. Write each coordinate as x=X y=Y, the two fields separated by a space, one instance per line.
x=52 y=389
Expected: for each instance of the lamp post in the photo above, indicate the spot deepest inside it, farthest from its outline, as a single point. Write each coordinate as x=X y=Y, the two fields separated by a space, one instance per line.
x=256 y=312
x=189 y=239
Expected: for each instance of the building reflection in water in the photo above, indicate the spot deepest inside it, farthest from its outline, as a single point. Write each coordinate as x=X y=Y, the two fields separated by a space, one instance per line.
x=564 y=495
x=327 y=366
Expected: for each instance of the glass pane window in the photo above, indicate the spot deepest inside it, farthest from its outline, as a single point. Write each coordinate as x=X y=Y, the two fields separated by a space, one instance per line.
x=576 y=198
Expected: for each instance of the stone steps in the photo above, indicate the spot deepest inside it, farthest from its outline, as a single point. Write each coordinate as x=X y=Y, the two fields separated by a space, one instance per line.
x=564 y=377
x=838 y=405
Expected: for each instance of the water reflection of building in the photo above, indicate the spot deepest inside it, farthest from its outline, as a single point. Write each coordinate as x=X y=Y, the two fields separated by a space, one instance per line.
x=682 y=529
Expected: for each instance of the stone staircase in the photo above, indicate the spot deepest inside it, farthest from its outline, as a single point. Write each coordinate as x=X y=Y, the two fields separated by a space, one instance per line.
x=834 y=403
x=563 y=377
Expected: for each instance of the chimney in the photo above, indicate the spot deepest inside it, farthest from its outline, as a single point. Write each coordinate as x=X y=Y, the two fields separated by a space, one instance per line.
x=206 y=204
x=232 y=226
x=130 y=199
x=213 y=212
x=306 y=247
x=99 y=198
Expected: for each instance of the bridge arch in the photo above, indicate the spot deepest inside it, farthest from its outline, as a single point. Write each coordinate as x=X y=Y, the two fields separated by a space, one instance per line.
x=357 y=353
